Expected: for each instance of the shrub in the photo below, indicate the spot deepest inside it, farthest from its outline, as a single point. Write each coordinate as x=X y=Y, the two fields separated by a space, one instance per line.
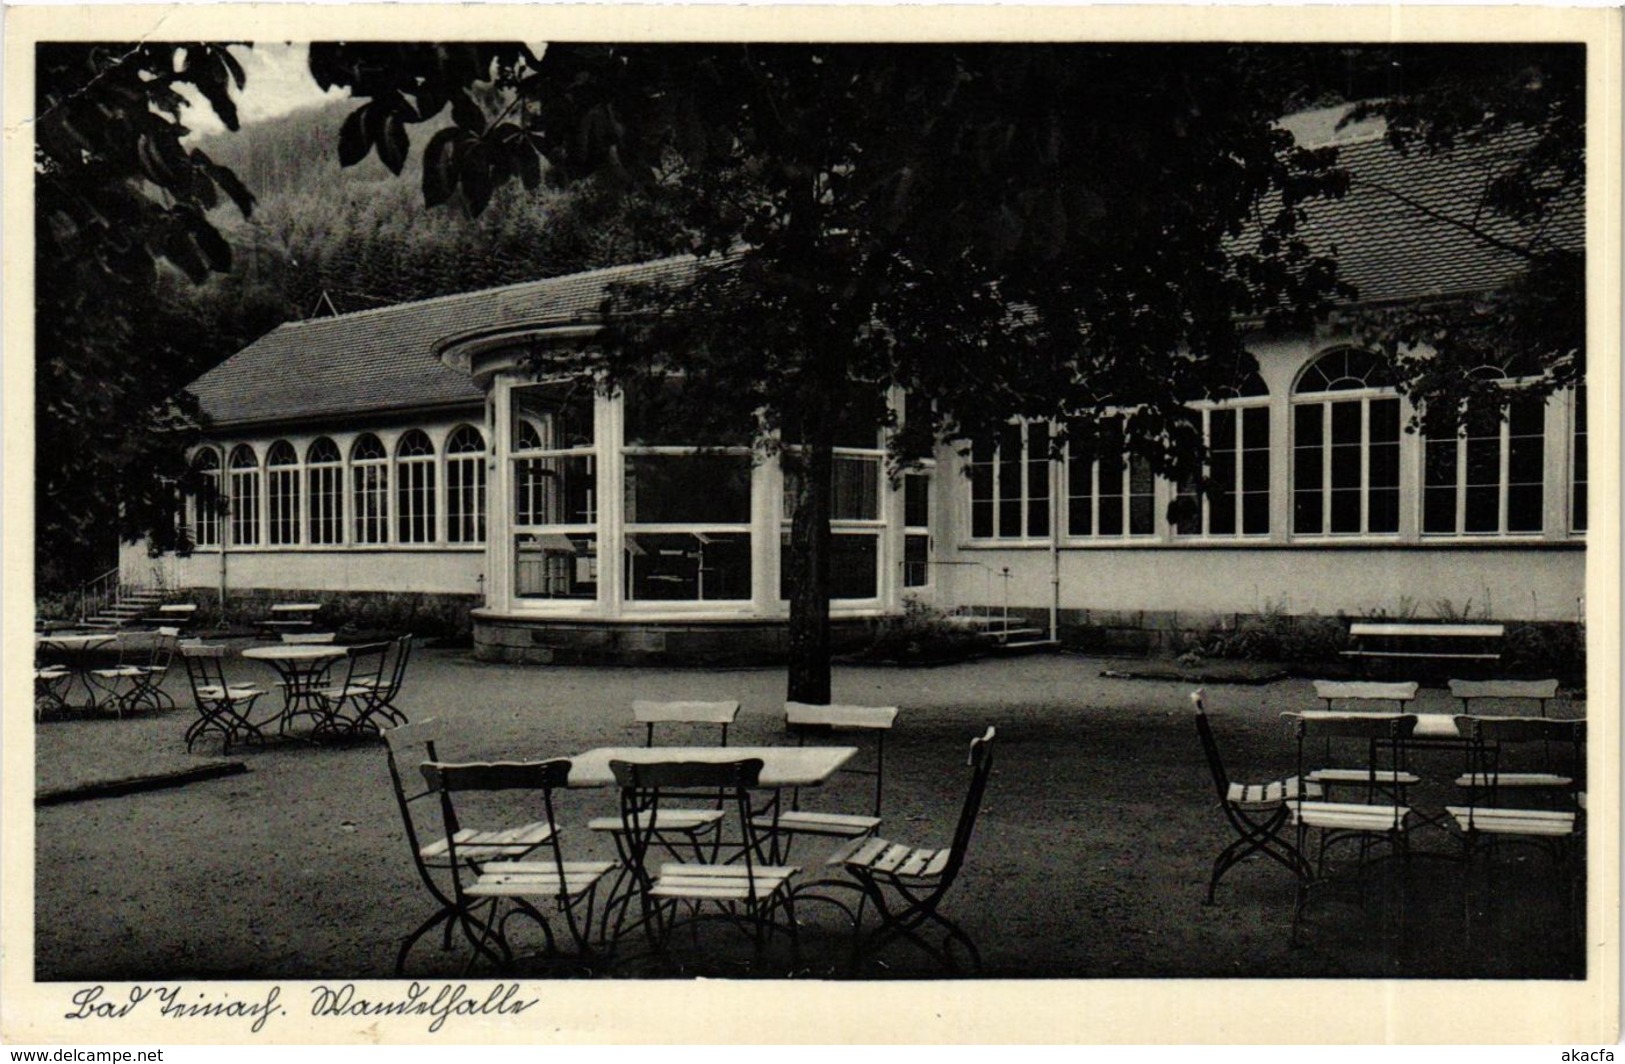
x=924 y=634
x=1555 y=649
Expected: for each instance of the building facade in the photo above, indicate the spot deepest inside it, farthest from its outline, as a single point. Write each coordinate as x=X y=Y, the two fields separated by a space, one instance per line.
x=420 y=448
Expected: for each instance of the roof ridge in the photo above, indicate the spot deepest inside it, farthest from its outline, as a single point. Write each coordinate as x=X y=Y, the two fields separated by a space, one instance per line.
x=625 y=267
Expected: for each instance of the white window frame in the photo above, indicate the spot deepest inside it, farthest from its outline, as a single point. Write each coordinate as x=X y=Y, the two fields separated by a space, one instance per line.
x=925 y=476
x=283 y=516
x=1034 y=470
x=1579 y=517
x=558 y=539
x=1503 y=485
x=1131 y=466
x=205 y=518
x=416 y=514
x=369 y=493
x=465 y=486
x=1240 y=488
x=247 y=491
x=1364 y=396
x=324 y=495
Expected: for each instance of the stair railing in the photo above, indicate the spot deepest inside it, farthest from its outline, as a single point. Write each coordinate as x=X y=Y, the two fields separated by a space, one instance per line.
x=988 y=573
x=96 y=593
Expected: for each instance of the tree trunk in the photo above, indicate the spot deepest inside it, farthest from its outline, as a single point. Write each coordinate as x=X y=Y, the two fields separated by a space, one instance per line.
x=808 y=567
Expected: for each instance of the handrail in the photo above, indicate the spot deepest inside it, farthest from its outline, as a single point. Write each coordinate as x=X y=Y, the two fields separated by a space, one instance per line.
x=97 y=589
x=987 y=587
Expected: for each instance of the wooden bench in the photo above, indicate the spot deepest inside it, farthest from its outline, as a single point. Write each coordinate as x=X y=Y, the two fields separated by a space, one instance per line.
x=175 y=614
x=291 y=617
x=1423 y=640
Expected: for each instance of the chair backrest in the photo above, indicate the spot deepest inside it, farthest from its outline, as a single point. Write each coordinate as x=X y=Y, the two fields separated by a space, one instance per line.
x=1330 y=691
x=411 y=744
x=1488 y=738
x=366 y=664
x=980 y=760
x=645 y=785
x=307 y=638
x=164 y=643
x=395 y=671
x=1378 y=726
x=805 y=720
x=205 y=666
x=650 y=713
x=1210 y=746
x=449 y=779
x=1469 y=691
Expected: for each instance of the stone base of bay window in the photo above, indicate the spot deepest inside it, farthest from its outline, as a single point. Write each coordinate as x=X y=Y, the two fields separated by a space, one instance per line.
x=546 y=641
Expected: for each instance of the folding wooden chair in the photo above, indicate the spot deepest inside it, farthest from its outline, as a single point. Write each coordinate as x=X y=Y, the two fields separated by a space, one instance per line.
x=907 y=884
x=1364 y=697
x=1499 y=805
x=481 y=890
x=821 y=722
x=139 y=676
x=1258 y=812
x=1470 y=691
x=350 y=706
x=410 y=745
x=223 y=707
x=745 y=891
x=1365 y=823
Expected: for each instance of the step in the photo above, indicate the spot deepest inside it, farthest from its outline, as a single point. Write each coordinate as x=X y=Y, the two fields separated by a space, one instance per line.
x=1013 y=634
x=1028 y=645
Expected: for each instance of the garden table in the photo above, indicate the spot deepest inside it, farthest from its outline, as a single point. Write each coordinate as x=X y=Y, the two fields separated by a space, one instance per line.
x=303 y=668
x=75 y=652
x=782 y=766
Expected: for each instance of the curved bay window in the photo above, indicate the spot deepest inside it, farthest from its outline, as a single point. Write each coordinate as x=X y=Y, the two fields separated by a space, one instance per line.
x=369 y=475
x=282 y=493
x=1345 y=447
x=325 y=475
x=244 y=503
x=414 y=488
x=555 y=491
x=206 y=502
x=854 y=514
x=687 y=508
x=465 y=486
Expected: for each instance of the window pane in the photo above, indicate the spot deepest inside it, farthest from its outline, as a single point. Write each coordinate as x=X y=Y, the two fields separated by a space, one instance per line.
x=1142 y=497
x=660 y=414
x=1345 y=510
x=553 y=565
x=553 y=417
x=555 y=491
x=1037 y=479
x=1525 y=503
x=1383 y=460
x=853 y=562
x=917 y=500
x=1384 y=510
x=856 y=494
x=1255 y=513
x=1010 y=481
x=1080 y=474
x=1578 y=515
x=688 y=566
x=694 y=489
x=1255 y=470
x=1307 y=467
x=916 y=560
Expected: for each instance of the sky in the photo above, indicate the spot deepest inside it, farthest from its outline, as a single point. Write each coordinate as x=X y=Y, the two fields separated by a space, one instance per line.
x=278 y=81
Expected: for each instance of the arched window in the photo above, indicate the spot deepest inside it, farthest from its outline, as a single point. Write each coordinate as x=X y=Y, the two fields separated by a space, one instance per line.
x=1345 y=446
x=1236 y=426
x=465 y=485
x=282 y=493
x=206 y=500
x=1487 y=477
x=369 y=477
x=325 y=470
x=415 y=510
x=244 y=505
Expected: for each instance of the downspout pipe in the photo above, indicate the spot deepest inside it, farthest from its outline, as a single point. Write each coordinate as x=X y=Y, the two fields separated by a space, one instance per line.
x=1054 y=548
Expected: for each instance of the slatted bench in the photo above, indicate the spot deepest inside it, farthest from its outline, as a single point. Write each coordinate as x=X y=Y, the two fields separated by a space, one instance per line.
x=288 y=617
x=175 y=614
x=1477 y=642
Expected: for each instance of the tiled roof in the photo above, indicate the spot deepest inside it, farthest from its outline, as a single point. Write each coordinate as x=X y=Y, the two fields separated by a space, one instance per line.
x=1401 y=233
x=1405 y=230
x=384 y=359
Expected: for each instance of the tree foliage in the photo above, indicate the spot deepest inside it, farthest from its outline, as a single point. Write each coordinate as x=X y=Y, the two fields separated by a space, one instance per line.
x=1045 y=231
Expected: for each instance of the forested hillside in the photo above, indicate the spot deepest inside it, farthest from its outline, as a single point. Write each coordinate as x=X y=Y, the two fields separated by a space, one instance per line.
x=362 y=237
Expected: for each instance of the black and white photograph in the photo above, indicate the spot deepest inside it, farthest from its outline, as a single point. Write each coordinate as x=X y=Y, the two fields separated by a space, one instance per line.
x=518 y=512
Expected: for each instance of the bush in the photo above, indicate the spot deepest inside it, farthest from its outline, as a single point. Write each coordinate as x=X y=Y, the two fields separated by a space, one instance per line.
x=1276 y=636
x=923 y=635
x=1546 y=649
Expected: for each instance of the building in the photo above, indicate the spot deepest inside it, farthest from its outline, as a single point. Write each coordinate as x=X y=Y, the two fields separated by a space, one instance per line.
x=406 y=449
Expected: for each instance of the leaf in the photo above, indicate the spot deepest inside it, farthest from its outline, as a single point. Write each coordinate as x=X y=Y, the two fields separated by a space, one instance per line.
x=466 y=113
x=530 y=165
x=352 y=140
x=440 y=166
x=216 y=251
x=394 y=144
